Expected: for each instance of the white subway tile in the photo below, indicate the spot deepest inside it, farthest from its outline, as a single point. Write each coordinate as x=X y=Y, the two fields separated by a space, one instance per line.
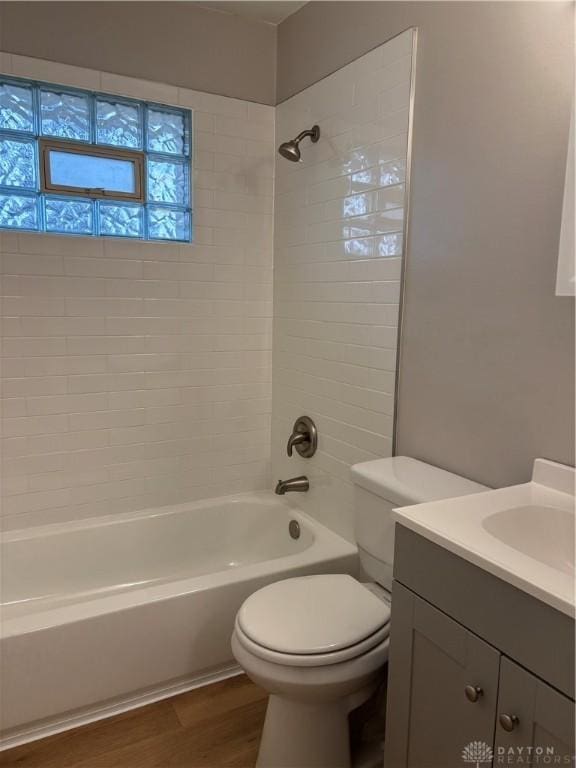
x=261 y=113
x=67 y=444
x=337 y=279
x=189 y=98
x=14 y=485
x=143 y=367
x=106 y=419
x=5 y=63
x=55 y=480
x=34 y=386
x=40 y=406
x=32 y=502
x=33 y=305
x=62 y=245
x=34 y=425
x=391 y=75
x=31 y=347
x=139 y=89
x=13 y=406
x=86 y=267
x=203 y=121
x=31 y=264
x=154 y=270
x=103 y=307
x=247 y=129
x=53 y=72
x=222 y=105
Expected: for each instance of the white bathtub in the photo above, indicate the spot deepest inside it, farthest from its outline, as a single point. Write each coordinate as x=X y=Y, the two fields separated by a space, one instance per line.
x=99 y=615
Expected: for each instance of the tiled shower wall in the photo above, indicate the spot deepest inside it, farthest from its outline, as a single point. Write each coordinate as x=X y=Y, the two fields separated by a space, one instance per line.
x=339 y=219
x=139 y=374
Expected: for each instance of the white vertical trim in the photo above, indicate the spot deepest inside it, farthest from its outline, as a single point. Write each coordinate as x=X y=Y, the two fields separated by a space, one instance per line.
x=566 y=274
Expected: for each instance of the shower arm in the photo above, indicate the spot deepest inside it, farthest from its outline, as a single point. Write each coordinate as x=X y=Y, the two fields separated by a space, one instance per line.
x=314 y=134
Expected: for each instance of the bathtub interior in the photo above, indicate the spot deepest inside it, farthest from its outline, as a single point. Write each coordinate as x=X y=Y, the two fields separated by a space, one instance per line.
x=56 y=565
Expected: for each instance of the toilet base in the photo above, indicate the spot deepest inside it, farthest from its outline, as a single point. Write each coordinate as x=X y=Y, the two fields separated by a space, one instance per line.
x=307 y=721
x=301 y=735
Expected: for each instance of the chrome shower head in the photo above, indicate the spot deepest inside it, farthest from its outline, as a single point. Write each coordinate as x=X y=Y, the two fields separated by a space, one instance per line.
x=291 y=150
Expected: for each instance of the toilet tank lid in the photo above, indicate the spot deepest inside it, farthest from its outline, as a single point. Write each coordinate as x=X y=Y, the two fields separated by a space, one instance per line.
x=402 y=480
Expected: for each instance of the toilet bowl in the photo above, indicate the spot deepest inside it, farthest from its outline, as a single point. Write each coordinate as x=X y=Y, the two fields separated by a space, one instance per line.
x=319 y=644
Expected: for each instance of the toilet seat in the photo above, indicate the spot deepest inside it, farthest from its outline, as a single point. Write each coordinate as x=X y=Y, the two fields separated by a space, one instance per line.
x=313 y=659
x=312 y=621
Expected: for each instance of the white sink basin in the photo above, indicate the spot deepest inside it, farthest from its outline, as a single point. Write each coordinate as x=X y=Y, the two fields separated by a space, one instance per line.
x=523 y=534
x=543 y=533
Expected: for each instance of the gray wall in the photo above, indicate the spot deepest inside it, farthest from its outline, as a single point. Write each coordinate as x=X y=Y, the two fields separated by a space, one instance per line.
x=488 y=350
x=177 y=43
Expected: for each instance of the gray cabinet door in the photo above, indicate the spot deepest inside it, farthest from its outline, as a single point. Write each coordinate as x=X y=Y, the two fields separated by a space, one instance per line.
x=430 y=721
x=542 y=721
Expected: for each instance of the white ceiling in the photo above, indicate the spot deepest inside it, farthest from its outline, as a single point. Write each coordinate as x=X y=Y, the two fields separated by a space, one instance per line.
x=271 y=11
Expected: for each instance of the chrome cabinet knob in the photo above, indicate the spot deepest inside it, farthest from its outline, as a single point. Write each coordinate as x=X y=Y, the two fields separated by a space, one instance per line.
x=473 y=693
x=508 y=722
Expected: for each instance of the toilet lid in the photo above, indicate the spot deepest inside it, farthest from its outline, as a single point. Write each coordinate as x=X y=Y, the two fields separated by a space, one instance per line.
x=312 y=614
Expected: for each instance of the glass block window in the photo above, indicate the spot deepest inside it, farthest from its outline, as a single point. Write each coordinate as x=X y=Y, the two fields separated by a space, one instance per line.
x=83 y=163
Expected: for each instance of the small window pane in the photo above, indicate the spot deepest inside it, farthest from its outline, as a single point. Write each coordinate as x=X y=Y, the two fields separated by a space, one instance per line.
x=79 y=169
x=167 y=182
x=65 y=115
x=72 y=216
x=16 y=111
x=18 y=211
x=17 y=163
x=120 y=220
x=168 y=224
x=118 y=124
x=166 y=132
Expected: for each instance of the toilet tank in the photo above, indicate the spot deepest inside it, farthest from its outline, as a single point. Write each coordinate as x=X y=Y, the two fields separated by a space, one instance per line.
x=382 y=485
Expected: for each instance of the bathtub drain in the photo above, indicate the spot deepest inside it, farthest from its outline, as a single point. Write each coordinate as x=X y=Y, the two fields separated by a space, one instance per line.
x=294 y=529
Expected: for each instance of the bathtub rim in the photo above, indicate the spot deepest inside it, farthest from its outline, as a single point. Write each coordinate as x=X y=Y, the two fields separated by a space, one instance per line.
x=97 y=521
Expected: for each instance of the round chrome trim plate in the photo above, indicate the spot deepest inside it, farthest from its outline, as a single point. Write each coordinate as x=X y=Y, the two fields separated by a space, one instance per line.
x=294 y=529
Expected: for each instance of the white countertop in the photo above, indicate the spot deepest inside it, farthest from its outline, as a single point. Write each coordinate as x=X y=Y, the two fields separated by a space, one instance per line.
x=523 y=534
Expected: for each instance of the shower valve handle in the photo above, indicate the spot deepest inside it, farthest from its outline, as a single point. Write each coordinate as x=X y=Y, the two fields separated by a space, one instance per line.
x=295 y=439
x=304 y=438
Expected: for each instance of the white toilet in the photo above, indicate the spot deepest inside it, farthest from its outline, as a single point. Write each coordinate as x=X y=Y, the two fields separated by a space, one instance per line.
x=319 y=644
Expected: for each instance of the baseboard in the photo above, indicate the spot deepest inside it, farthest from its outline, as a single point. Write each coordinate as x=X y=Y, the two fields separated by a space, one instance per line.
x=19 y=736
